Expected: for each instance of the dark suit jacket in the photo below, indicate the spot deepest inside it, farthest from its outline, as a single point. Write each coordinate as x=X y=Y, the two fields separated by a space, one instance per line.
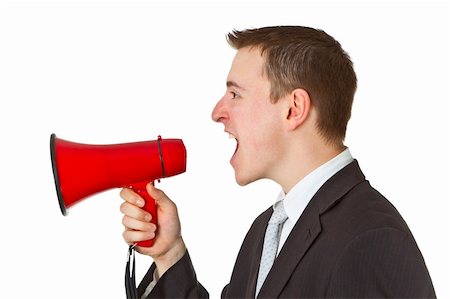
x=349 y=242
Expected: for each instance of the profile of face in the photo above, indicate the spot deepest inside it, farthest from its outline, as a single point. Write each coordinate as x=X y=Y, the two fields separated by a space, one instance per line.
x=251 y=118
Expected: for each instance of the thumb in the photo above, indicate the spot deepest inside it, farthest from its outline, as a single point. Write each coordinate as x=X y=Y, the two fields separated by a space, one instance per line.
x=159 y=196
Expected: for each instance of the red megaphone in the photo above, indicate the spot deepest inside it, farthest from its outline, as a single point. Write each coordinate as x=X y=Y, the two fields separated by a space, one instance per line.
x=81 y=170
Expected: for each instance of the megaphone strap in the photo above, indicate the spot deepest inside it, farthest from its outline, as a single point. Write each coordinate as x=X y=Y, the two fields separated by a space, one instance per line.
x=130 y=278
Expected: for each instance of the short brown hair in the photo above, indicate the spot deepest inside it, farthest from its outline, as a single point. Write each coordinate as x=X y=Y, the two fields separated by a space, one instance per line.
x=307 y=58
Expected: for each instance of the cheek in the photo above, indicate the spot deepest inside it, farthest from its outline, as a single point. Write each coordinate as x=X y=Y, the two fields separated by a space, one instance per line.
x=265 y=135
x=260 y=128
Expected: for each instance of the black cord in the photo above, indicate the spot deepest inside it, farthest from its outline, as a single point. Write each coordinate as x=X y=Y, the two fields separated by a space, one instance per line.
x=130 y=278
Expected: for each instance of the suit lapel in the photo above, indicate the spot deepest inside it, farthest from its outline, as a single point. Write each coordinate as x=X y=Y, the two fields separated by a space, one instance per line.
x=306 y=230
x=258 y=245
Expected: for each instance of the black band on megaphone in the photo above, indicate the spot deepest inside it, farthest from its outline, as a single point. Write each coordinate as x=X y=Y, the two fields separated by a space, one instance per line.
x=161 y=157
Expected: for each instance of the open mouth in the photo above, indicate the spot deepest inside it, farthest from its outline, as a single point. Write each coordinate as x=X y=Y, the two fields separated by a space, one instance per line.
x=231 y=136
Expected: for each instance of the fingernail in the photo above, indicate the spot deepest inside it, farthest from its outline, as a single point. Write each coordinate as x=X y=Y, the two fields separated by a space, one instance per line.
x=148 y=217
x=140 y=202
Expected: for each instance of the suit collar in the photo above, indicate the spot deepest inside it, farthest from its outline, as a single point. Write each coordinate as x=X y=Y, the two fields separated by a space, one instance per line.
x=305 y=231
x=338 y=185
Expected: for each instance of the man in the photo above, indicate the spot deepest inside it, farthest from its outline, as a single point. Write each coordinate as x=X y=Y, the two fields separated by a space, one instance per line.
x=329 y=234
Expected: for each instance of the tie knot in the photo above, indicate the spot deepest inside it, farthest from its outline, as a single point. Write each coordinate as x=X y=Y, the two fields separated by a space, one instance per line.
x=279 y=214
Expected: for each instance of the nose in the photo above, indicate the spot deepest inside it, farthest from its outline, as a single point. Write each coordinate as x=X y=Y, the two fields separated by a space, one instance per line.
x=220 y=111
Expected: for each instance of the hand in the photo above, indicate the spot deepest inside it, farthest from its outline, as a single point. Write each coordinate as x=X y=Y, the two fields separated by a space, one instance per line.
x=168 y=246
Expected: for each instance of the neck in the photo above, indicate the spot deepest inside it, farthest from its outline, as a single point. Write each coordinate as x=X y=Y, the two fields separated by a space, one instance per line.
x=305 y=160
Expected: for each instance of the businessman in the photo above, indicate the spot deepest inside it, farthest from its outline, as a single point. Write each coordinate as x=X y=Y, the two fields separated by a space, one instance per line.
x=329 y=234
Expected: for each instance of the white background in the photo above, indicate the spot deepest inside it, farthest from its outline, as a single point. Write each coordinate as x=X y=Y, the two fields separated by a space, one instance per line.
x=121 y=71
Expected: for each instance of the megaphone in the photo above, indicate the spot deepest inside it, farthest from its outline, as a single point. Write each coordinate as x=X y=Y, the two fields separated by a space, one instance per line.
x=81 y=170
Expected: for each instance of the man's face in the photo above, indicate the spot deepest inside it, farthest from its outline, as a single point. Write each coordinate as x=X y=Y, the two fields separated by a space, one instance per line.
x=250 y=117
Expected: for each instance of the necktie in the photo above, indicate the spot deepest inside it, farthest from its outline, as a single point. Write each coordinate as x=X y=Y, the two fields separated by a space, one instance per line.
x=271 y=241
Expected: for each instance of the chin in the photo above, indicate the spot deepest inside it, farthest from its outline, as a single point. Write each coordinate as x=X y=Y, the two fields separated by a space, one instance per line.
x=242 y=183
x=243 y=180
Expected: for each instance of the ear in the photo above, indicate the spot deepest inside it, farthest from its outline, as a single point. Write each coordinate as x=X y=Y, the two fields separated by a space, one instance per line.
x=299 y=108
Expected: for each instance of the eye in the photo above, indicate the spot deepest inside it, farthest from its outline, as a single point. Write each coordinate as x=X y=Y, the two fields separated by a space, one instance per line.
x=234 y=95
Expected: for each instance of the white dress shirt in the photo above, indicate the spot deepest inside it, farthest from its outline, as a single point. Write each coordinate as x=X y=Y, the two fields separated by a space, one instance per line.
x=296 y=200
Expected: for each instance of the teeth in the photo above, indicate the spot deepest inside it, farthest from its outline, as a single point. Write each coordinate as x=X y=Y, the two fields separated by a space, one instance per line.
x=231 y=136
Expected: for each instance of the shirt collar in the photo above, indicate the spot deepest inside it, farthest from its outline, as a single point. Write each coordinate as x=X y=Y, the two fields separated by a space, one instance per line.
x=296 y=200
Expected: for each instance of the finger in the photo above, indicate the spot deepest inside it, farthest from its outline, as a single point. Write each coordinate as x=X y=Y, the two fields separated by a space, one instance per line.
x=134 y=236
x=134 y=224
x=132 y=197
x=135 y=212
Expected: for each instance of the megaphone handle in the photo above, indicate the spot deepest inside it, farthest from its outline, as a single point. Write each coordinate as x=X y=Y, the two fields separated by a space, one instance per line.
x=150 y=206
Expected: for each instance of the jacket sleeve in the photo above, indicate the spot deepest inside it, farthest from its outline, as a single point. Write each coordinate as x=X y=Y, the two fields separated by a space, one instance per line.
x=180 y=281
x=381 y=263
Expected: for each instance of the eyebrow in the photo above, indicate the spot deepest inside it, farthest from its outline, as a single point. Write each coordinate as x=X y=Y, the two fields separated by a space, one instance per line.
x=234 y=84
